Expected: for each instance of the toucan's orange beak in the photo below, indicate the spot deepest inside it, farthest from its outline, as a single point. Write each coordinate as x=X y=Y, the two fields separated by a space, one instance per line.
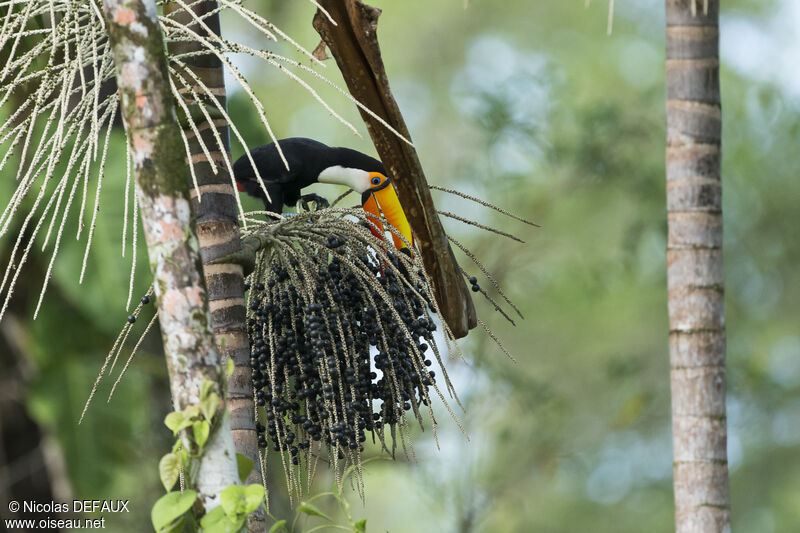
x=386 y=200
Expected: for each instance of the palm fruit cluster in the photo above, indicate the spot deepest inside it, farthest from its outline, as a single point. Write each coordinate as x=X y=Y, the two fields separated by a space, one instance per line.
x=341 y=338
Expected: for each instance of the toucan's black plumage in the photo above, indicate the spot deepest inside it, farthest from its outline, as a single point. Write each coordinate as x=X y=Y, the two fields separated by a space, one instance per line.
x=310 y=162
x=307 y=159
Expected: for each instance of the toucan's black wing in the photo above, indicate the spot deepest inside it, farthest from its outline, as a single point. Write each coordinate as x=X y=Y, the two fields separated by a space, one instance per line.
x=306 y=158
x=271 y=174
x=253 y=188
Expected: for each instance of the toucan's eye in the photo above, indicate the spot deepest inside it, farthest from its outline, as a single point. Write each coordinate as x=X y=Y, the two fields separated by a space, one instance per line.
x=376 y=180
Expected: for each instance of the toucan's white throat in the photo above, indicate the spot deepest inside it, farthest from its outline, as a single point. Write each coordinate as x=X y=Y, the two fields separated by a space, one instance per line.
x=355 y=178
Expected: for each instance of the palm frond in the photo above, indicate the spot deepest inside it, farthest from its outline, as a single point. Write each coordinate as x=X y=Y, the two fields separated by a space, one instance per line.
x=57 y=101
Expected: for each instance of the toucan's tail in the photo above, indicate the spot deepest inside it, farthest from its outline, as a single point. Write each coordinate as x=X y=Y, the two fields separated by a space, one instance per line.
x=251 y=186
x=246 y=181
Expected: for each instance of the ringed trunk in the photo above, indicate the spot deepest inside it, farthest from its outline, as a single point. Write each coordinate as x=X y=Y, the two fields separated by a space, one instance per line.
x=217 y=221
x=694 y=268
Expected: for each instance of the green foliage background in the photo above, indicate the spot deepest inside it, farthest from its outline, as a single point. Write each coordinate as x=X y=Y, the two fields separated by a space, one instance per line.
x=532 y=106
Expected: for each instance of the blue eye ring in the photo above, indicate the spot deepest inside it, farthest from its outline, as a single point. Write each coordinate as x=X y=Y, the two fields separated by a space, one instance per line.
x=376 y=180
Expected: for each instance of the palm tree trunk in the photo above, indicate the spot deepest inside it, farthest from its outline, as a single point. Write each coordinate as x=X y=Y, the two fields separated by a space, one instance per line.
x=694 y=264
x=162 y=189
x=218 y=229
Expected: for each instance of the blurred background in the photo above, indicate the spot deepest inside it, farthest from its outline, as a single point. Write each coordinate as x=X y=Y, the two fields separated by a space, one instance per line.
x=531 y=106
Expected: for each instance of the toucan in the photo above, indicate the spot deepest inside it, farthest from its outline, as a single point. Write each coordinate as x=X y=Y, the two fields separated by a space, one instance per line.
x=312 y=162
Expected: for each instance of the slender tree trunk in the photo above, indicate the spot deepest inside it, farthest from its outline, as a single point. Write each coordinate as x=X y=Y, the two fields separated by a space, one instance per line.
x=694 y=263
x=218 y=228
x=22 y=438
x=162 y=189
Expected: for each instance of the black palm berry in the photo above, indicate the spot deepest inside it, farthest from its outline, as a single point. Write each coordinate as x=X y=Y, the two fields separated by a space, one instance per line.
x=145 y=299
x=131 y=319
x=313 y=329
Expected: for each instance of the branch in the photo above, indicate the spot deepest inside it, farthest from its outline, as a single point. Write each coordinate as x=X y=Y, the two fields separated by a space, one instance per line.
x=353 y=42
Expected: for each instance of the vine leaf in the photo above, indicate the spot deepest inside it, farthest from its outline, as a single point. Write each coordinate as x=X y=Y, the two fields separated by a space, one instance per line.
x=205 y=388
x=238 y=501
x=253 y=496
x=216 y=521
x=209 y=406
x=168 y=511
x=201 y=429
x=176 y=421
x=169 y=469
x=310 y=509
x=191 y=411
x=244 y=465
x=280 y=525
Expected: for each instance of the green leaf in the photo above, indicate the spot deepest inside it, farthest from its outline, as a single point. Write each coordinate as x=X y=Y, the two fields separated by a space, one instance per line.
x=217 y=521
x=191 y=411
x=185 y=457
x=169 y=469
x=191 y=524
x=253 y=496
x=231 y=500
x=178 y=526
x=239 y=501
x=229 y=367
x=244 y=465
x=309 y=509
x=209 y=406
x=201 y=430
x=360 y=526
x=205 y=388
x=170 y=507
x=176 y=421
x=280 y=525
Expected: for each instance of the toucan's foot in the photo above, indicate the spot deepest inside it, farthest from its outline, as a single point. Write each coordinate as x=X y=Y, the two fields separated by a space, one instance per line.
x=319 y=201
